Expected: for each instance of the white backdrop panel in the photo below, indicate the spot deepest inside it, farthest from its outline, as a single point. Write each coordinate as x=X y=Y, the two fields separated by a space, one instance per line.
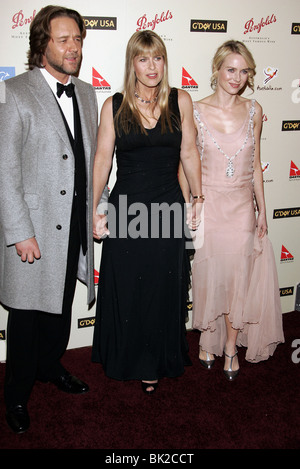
x=265 y=27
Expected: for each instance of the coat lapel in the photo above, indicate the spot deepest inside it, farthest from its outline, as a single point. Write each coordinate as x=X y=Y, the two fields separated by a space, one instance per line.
x=86 y=124
x=47 y=101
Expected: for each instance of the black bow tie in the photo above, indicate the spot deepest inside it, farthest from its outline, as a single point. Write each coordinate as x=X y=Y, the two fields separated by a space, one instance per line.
x=69 y=89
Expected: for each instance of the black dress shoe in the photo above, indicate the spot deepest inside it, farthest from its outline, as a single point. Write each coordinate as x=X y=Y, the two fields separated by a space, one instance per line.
x=70 y=384
x=17 y=418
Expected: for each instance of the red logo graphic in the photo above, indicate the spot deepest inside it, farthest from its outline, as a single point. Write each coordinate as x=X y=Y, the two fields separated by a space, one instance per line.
x=250 y=26
x=98 y=80
x=285 y=255
x=265 y=166
x=143 y=22
x=294 y=171
x=187 y=80
x=96 y=277
x=19 y=19
x=270 y=73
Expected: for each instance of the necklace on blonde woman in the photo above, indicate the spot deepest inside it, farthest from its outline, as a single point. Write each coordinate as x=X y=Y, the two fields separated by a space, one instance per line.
x=144 y=100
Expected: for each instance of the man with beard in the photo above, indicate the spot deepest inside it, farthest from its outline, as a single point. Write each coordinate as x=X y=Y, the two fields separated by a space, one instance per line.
x=48 y=122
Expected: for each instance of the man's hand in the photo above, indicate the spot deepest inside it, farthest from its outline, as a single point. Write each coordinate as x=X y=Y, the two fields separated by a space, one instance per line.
x=28 y=250
x=100 y=229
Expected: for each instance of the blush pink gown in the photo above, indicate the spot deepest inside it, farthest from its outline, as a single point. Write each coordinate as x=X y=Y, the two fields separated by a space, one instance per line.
x=234 y=271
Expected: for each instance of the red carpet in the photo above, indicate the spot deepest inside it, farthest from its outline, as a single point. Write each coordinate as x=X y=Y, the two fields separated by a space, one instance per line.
x=199 y=410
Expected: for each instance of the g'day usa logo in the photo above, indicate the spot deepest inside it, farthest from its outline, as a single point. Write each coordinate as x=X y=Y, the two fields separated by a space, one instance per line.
x=290 y=126
x=295 y=28
x=97 y=22
x=208 y=26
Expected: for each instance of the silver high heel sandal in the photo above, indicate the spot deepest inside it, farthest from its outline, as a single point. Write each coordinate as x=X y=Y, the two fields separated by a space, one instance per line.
x=231 y=374
x=208 y=363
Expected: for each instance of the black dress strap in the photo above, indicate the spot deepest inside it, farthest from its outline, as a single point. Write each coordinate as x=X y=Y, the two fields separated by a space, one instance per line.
x=117 y=101
x=173 y=101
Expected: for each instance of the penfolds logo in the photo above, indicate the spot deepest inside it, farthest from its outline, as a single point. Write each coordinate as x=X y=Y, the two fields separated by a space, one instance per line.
x=20 y=20
x=143 y=22
x=250 y=26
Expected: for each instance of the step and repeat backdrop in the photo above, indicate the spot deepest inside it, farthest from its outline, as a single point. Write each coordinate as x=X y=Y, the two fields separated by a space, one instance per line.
x=192 y=31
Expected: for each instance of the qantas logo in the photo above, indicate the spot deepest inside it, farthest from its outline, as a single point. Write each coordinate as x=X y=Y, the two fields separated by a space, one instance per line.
x=187 y=82
x=286 y=256
x=96 y=277
x=99 y=83
x=294 y=171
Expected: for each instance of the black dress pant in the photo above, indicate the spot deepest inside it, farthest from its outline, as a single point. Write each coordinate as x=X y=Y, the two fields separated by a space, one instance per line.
x=37 y=340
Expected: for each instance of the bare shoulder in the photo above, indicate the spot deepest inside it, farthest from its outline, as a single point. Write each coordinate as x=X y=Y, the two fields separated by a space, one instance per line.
x=108 y=102
x=106 y=115
x=107 y=107
x=204 y=102
x=185 y=105
x=258 y=109
x=184 y=98
x=258 y=116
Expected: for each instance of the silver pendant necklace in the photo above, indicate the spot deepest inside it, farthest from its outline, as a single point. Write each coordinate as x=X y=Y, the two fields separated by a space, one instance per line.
x=230 y=168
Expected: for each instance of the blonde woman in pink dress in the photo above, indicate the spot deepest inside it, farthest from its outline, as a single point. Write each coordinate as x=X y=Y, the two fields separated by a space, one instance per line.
x=235 y=287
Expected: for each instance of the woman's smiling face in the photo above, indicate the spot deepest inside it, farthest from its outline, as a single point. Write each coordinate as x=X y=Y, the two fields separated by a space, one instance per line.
x=233 y=73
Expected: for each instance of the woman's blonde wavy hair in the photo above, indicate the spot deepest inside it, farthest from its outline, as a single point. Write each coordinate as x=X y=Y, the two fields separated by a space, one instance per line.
x=128 y=115
x=235 y=47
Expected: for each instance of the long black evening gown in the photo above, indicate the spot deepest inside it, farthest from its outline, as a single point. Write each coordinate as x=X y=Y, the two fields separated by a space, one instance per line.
x=143 y=283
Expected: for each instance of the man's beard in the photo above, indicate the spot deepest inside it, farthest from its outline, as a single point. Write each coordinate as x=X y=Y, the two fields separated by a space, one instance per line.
x=64 y=70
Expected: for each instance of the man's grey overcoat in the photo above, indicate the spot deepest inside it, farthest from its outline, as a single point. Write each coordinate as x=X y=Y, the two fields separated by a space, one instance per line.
x=36 y=190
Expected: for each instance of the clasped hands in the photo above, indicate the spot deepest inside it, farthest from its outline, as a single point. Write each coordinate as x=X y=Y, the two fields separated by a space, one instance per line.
x=100 y=229
x=194 y=215
x=29 y=250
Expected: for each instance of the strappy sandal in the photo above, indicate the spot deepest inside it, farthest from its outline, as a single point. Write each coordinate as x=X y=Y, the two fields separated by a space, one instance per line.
x=208 y=363
x=231 y=374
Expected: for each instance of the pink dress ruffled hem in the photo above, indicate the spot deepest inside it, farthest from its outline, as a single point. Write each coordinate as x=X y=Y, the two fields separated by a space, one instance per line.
x=234 y=272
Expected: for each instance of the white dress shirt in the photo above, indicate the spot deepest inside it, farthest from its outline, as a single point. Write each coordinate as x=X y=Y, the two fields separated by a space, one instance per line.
x=65 y=103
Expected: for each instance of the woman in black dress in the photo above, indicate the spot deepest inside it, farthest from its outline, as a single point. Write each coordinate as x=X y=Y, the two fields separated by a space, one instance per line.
x=144 y=273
